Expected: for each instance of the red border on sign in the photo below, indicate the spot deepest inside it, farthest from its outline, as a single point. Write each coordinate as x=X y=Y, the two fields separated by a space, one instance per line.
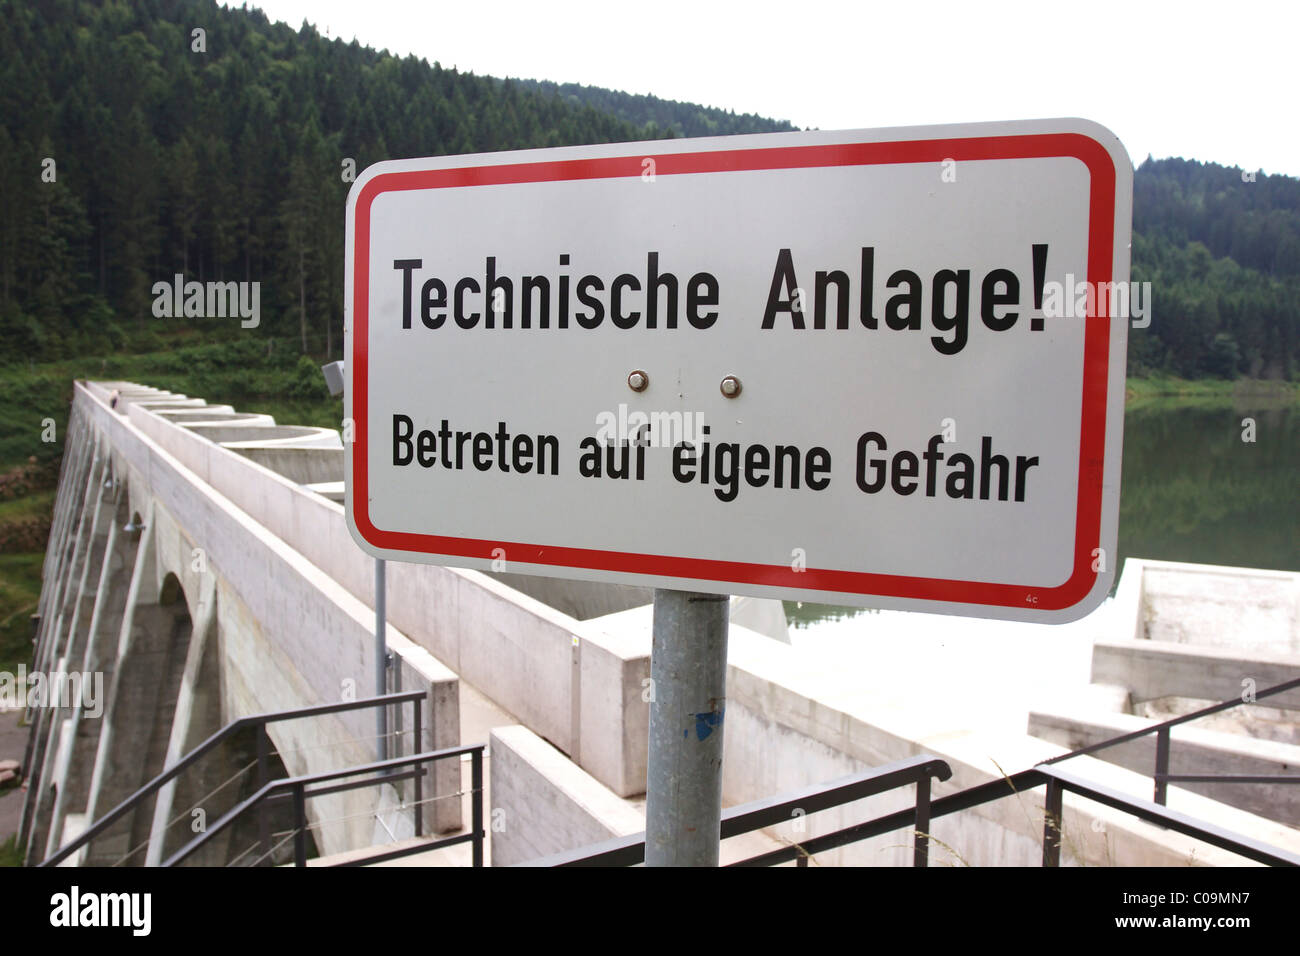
x=1101 y=226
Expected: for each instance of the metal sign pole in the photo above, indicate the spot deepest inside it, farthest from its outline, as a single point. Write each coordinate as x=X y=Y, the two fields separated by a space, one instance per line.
x=688 y=671
x=336 y=382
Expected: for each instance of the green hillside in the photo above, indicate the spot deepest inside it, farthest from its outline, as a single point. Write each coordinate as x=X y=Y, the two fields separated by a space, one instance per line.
x=666 y=117
x=134 y=150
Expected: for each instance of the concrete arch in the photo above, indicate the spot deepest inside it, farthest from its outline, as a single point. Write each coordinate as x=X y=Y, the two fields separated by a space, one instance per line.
x=171 y=592
x=154 y=648
x=183 y=574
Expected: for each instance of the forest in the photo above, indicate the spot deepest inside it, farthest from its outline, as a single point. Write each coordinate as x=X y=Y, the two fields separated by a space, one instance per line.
x=145 y=138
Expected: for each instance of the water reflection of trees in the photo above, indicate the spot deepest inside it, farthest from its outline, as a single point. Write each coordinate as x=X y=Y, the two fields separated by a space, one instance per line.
x=802 y=614
x=1192 y=490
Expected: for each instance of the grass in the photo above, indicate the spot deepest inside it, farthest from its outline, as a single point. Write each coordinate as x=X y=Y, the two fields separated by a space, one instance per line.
x=20 y=591
x=326 y=413
x=1146 y=388
x=28 y=506
x=244 y=373
x=10 y=854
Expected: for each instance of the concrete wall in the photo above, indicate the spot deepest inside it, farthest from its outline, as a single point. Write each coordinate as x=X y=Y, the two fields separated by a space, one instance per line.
x=300 y=435
x=188 y=416
x=288 y=636
x=302 y=466
x=583 y=600
x=1155 y=669
x=542 y=803
x=1193 y=750
x=1209 y=606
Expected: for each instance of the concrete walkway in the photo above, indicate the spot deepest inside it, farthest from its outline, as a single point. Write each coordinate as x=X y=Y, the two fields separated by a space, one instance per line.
x=981 y=674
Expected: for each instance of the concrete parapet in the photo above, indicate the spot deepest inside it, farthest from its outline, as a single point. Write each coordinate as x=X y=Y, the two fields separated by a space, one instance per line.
x=265 y=435
x=1155 y=669
x=1209 y=606
x=543 y=804
x=582 y=600
x=1193 y=750
x=417 y=669
x=303 y=466
x=207 y=413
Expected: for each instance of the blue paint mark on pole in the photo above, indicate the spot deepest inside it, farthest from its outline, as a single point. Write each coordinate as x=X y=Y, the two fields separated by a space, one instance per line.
x=707 y=722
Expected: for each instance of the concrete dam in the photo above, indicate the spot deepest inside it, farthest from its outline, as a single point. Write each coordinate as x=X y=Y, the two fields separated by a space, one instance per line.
x=200 y=576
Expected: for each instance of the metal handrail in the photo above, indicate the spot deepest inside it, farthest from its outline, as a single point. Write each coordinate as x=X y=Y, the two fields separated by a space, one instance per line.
x=1059 y=781
x=1164 y=746
x=630 y=850
x=614 y=852
x=1046 y=774
x=256 y=720
x=1174 y=721
x=297 y=788
x=953 y=803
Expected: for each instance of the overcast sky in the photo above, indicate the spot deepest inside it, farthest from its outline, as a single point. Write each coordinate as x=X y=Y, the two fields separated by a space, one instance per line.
x=1208 y=81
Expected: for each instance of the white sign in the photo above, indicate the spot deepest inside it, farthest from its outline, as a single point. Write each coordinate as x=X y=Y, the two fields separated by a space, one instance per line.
x=826 y=366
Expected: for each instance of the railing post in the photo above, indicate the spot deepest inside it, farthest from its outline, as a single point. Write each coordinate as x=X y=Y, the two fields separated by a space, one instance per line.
x=1162 y=766
x=476 y=803
x=263 y=776
x=1052 y=831
x=397 y=716
x=299 y=825
x=921 y=848
x=417 y=746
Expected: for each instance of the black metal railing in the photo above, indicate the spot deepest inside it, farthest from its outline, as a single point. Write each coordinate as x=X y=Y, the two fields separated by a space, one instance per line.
x=624 y=851
x=258 y=722
x=630 y=850
x=381 y=772
x=1059 y=781
x=1161 y=777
